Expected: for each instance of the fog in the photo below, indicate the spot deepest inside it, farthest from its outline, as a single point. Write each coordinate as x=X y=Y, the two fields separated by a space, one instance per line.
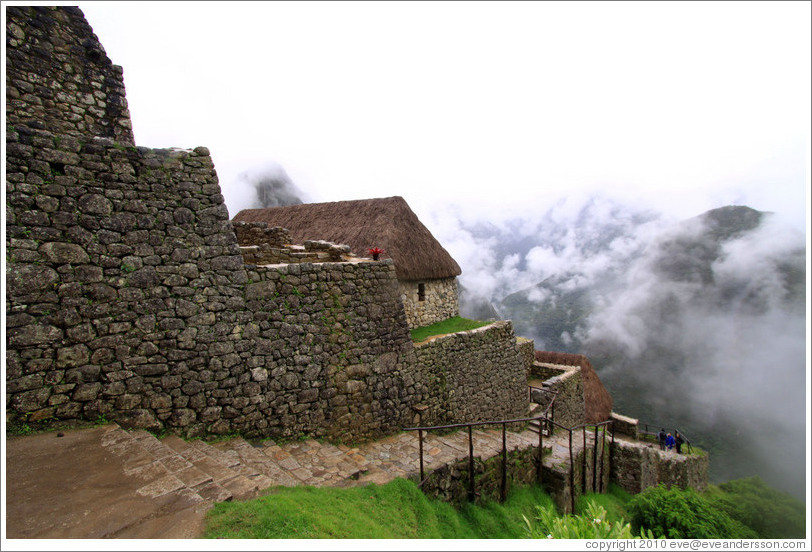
x=267 y=185
x=696 y=324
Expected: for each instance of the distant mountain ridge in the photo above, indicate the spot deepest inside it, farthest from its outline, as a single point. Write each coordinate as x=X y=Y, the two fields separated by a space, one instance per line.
x=699 y=322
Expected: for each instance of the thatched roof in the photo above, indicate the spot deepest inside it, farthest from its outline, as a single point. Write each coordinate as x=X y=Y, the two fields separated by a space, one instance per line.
x=387 y=223
x=597 y=400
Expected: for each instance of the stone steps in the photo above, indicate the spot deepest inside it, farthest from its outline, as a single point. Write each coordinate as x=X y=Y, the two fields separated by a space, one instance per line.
x=198 y=472
x=172 y=466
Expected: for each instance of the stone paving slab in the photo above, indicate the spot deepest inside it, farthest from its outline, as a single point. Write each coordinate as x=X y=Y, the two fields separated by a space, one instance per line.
x=173 y=474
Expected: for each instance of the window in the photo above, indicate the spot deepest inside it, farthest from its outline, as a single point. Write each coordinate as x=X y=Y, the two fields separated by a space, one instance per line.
x=421 y=292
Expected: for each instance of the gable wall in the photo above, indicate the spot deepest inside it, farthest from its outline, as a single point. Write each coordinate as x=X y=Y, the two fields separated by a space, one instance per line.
x=440 y=303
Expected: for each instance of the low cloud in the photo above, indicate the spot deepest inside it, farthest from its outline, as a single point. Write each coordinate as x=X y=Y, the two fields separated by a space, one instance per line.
x=685 y=324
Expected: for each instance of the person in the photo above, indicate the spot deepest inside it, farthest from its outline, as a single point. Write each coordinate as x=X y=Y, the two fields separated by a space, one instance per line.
x=678 y=440
x=669 y=441
x=661 y=438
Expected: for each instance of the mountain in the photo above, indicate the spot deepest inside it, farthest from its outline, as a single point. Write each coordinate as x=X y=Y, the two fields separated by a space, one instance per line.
x=698 y=324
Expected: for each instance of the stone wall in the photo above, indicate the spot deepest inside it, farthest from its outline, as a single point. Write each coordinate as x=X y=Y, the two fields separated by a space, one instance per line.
x=473 y=376
x=262 y=245
x=451 y=482
x=439 y=301
x=527 y=349
x=259 y=233
x=128 y=298
x=636 y=466
x=625 y=425
x=310 y=252
x=121 y=271
x=332 y=352
x=569 y=401
x=59 y=78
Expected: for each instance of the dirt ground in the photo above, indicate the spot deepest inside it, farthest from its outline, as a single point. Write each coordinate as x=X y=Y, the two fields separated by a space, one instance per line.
x=69 y=486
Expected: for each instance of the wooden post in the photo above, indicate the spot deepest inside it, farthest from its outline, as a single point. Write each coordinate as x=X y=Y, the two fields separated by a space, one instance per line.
x=572 y=478
x=595 y=461
x=541 y=450
x=603 y=456
x=584 y=463
x=504 y=461
x=471 y=488
x=420 y=439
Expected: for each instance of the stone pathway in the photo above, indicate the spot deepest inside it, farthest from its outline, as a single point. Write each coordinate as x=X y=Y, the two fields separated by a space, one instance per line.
x=171 y=477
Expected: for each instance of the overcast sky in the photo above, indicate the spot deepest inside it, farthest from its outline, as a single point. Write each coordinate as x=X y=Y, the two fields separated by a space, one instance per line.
x=497 y=107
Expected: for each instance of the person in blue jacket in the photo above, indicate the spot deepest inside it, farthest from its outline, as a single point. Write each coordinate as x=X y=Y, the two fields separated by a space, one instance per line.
x=669 y=441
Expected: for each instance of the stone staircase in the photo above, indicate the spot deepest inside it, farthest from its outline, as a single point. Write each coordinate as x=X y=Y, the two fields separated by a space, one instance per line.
x=234 y=469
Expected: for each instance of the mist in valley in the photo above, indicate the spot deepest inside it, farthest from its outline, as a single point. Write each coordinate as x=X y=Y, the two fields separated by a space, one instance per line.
x=692 y=324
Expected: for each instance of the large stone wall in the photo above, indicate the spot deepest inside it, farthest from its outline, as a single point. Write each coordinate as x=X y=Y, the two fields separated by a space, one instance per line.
x=128 y=296
x=333 y=354
x=475 y=376
x=59 y=78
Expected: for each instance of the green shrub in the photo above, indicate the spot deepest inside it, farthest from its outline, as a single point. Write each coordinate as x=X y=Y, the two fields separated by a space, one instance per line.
x=683 y=514
x=615 y=506
x=772 y=514
x=592 y=524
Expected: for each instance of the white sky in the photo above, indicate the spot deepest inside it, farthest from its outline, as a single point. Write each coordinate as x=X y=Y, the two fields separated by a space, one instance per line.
x=498 y=106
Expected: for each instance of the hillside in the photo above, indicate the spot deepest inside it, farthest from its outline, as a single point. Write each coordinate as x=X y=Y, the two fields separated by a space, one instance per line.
x=698 y=322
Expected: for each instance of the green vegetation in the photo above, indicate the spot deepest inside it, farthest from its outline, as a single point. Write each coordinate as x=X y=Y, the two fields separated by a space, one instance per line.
x=744 y=508
x=592 y=524
x=683 y=514
x=452 y=325
x=770 y=513
x=397 y=510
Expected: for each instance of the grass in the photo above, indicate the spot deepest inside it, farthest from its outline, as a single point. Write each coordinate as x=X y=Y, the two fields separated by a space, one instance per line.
x=397 y=510
x=451 y=325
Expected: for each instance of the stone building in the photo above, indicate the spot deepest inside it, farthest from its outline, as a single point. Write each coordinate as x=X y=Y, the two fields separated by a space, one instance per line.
x=426 y=273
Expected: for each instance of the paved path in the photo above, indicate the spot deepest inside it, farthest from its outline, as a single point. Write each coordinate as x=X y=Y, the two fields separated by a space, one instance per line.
x=106 y=482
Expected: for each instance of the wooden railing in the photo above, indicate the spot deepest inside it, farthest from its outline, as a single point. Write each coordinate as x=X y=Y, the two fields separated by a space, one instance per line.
x=652 y=430
x=472 y=494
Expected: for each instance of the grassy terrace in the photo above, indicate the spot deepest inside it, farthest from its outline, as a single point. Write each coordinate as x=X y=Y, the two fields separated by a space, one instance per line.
x=452 y=325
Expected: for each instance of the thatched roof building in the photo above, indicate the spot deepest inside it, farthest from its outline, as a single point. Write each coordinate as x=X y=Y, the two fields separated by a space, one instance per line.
x=387 y=223
x=597 y=400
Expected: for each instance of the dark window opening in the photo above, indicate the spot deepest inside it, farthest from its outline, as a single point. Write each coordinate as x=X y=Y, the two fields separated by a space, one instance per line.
x=421 y=292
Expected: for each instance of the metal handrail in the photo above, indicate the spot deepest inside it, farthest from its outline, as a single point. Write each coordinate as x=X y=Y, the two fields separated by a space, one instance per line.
x=471 y=488
x=550 y=407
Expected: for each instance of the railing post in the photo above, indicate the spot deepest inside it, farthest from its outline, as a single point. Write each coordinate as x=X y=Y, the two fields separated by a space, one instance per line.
x=584 y=463
x=595 y=461
x=552 y=417
x=603 y=456
x=471 y=488
x=420 y=440
x=504 y=461
x=541 y=450
x=572 y=478
x=612 y=451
